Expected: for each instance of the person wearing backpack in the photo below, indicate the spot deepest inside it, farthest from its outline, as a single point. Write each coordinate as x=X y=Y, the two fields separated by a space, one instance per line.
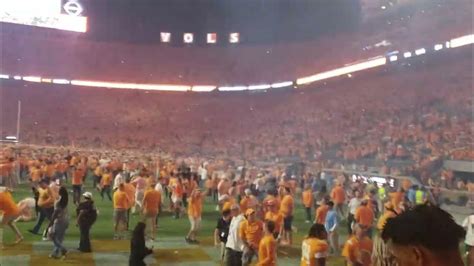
x=86 y=217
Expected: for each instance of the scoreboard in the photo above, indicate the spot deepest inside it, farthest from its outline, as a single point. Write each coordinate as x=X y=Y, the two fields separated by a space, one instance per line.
x=66 y=15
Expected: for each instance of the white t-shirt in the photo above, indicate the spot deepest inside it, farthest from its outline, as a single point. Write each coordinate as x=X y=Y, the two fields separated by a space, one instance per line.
x=468 y=223
x=354 y=203
x=202 y=173
x=234 y=242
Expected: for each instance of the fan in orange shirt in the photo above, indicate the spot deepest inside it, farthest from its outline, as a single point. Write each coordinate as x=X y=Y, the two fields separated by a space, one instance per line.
x=358 y=249
x=307 y=200
x=10 y=213
x=364 y=215
x=194 y=215
x=250 y=231
x=338 y=196
x=286 y=209
x=275 y=216
x=77 y=180
x=321 y=213
x=267 y=248
x=248 y=201
x=177 y=191
x=105 y=184
x=151 y=207
x=130 y=190
x=121 y=204
x=314 y=249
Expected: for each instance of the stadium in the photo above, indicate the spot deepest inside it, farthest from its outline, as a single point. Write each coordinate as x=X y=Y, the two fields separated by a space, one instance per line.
x=232 y=131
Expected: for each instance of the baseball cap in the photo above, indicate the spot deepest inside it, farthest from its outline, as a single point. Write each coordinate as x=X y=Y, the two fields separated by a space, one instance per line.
x=226 y=206
x=87 y=195
x=249 y=212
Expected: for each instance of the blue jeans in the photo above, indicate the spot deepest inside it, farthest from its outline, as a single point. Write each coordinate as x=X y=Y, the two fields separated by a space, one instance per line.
x=44 y=213
x=59 y=230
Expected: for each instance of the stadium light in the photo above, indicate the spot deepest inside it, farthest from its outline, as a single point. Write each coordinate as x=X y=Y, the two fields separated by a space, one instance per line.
x=17 y=77
x=201 y=88
x=461 y=41
x=46 y=80
x=236 y=88
x=60 y=81
x=260 y=87
x=393 y=58
x=438 y=47
x=4 y=76
x=132 y=86
x=282 y=84
x=32 y=79
x=448 y=44
x=10 y=137
x=420 y=51
x=380 y=61
x=407 y=54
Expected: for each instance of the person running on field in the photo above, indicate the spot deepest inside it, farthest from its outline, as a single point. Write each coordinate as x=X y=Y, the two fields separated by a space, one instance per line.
x=46 y=207
x=194 y=214
x=106 y=184
x=10 y=212
x=338 y=196
x=321 y=213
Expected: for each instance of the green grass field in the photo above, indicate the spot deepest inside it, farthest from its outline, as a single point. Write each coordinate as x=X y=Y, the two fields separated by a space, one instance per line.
x=165 y=253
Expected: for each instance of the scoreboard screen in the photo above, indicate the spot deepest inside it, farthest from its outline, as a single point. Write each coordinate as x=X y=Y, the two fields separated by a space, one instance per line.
x=57 y=14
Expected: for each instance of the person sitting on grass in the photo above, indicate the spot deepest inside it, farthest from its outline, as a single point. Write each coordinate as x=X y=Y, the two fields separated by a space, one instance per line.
x=424 y=235
x=194 y=214
x=10 y=212
x=138 y=249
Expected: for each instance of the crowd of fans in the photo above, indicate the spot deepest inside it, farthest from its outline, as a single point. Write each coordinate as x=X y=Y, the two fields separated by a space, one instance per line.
x=257 y=205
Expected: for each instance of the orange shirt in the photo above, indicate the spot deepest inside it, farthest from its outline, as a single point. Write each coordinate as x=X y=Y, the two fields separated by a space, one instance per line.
x=49 y=170
x=208 y=183
x=35 y=174
x=61 y=167
x=8 y=205
x=307 y=197
x=321 y=213
x=358 y=250
x=312 y=249
x=271 y=198
x=195 y=206
x=46 y=199
x=151 y=201
x=338 y=195
x=364 y=216
x=178 y=190
x=286 y=206
x=77 y=176
x=267 y=251
x=106 y=180
x=130 y=191
x=121 y=200
x=275 y=217
x=251 y=232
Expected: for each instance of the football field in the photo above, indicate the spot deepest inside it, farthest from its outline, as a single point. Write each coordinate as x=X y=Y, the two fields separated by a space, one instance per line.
x=169 y=247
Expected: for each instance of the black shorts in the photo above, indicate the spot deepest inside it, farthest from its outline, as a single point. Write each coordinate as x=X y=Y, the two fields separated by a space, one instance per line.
x=287 y=222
